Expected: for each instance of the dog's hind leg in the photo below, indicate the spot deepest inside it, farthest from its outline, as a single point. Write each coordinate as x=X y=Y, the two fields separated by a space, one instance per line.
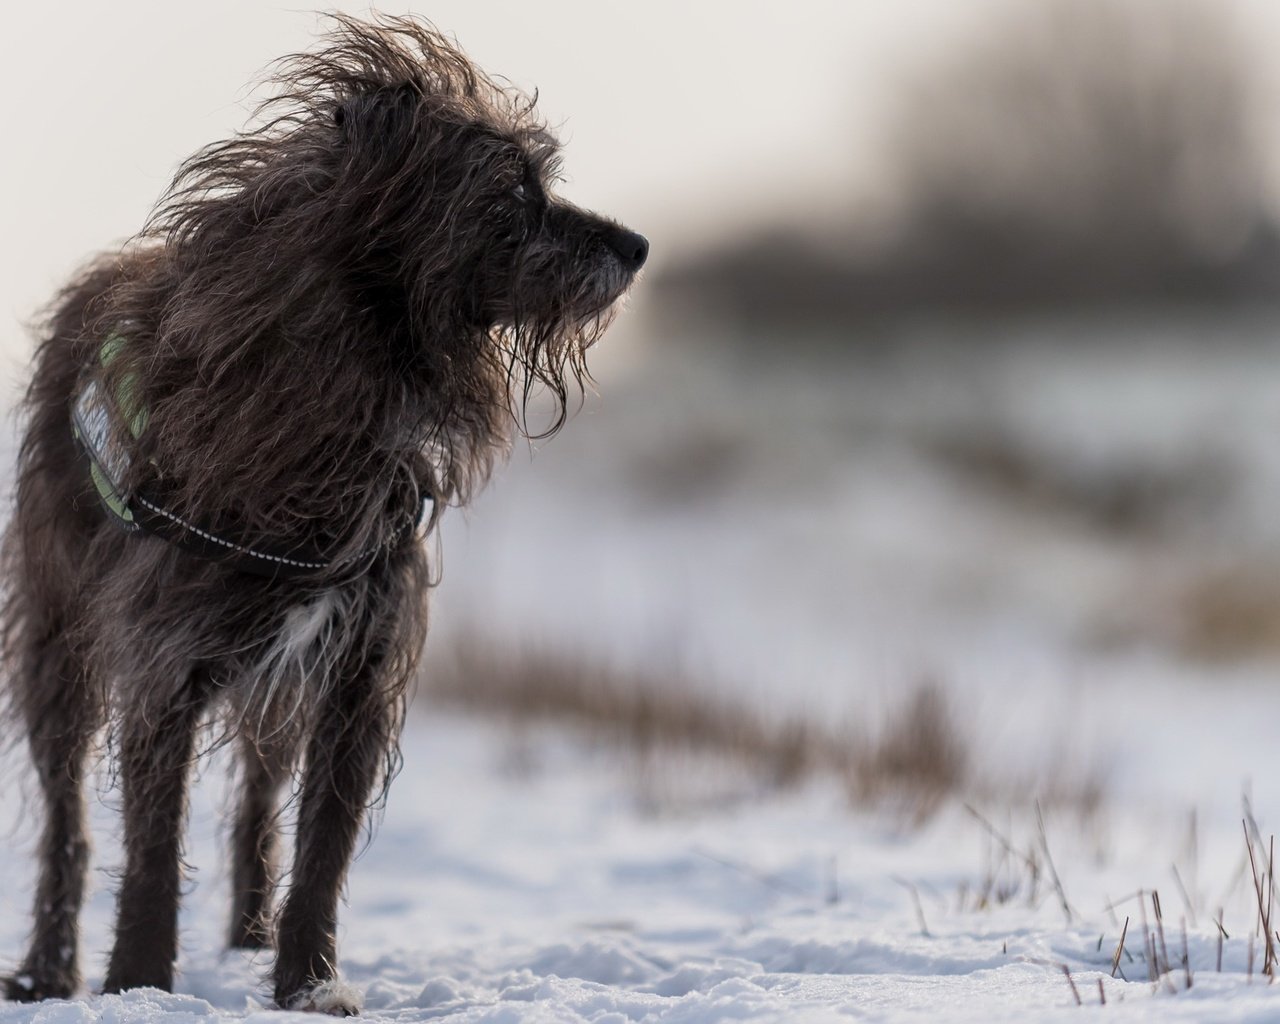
x=157 y=747
x=60 y=716
x=253 y=845
x=353 y=732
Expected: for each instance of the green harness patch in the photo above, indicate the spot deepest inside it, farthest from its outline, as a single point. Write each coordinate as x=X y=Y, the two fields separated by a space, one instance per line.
x=91 y=421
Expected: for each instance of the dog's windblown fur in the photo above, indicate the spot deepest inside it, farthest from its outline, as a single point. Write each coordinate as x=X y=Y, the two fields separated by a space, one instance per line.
x=328 y=315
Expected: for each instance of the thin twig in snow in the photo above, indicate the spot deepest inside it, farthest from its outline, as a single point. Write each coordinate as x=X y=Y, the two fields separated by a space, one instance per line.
x=1074 y=991
x=1053 y=871
x=1115 y=960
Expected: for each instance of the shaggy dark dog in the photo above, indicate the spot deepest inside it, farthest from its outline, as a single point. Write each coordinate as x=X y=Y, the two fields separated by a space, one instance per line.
x=330 y=320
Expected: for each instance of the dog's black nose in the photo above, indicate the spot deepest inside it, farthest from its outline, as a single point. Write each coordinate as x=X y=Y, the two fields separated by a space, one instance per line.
x=631 y=247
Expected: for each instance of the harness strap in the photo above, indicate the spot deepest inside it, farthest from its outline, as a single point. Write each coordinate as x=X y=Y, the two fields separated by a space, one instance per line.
x=144 y=509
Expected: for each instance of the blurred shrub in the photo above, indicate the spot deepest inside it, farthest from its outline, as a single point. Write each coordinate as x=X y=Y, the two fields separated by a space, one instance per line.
x=911 y=760
x=1069 y=151
x=1087 y=146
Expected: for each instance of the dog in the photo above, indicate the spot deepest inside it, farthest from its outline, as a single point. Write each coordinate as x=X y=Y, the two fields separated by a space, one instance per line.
x=239 y=429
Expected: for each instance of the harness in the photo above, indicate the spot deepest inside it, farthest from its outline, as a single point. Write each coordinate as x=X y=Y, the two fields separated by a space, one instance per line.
x=144 y=509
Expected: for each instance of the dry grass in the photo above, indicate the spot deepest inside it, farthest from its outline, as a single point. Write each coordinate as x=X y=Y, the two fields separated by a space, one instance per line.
x=1229 y=612
x=1125 y=499
x=912 y=761
x=1153 y=936
x=626 y=710
x=919 y=753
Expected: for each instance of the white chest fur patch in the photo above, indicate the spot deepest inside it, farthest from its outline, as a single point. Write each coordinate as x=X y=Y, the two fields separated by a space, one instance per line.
x=305 y=626
x=297 y=666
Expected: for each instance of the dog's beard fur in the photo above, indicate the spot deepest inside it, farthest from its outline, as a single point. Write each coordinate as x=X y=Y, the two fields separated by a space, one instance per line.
x=349 y=304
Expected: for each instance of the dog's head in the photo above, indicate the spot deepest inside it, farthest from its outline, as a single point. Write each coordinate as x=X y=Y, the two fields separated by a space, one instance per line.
x=455 y=177
x=389 y=164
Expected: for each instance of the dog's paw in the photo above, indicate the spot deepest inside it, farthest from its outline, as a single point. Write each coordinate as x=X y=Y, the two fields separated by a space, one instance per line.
x=25 y=987
x=334 y=997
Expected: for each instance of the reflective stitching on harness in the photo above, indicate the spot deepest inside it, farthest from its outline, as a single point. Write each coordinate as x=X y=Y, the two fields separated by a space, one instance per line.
x=278 y=558
x=233 y=546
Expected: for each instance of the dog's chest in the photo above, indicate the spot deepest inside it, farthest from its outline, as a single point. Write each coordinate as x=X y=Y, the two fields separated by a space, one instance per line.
x=294 y=667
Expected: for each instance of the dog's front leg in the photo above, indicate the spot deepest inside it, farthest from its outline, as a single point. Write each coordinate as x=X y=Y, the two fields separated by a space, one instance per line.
x=157 y=743
x=351 y=739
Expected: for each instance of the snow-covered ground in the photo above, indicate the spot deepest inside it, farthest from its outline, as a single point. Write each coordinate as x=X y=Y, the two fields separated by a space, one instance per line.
x=531 y=888
x=816 y=540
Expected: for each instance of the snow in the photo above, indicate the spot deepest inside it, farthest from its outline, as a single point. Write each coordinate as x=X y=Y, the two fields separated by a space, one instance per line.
x=787 y=540
x=549 y=895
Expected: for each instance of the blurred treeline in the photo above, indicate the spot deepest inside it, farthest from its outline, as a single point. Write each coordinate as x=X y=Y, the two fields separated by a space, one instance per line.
x=1070 y=153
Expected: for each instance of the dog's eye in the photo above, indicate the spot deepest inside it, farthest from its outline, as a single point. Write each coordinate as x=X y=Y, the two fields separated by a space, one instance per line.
x=520 y=192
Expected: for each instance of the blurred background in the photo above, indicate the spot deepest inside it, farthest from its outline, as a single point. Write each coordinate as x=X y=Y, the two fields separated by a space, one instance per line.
x=945 y=423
